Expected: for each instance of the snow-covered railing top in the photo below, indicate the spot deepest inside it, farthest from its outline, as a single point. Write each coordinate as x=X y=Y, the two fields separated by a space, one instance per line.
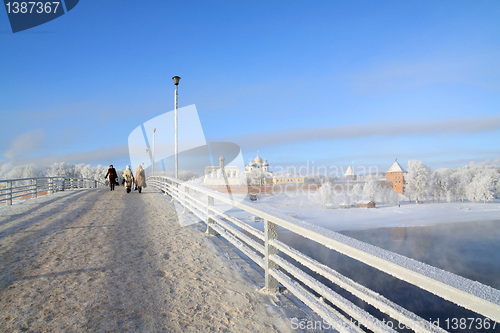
x=469 y=294
x=11 y=189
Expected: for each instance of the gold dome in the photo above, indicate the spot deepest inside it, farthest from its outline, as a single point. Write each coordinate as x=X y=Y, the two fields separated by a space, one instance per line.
x=258 y=160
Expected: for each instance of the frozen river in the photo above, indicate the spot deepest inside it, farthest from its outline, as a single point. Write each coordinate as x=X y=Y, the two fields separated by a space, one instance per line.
x=470 y=249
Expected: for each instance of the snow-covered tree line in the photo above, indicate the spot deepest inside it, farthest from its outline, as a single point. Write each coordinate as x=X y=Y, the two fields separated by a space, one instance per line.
x=342 y=194
x=472 y=183
x=76 y=170
x=57 y=169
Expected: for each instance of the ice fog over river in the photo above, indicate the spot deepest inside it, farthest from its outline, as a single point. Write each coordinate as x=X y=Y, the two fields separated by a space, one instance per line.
x=470 y=249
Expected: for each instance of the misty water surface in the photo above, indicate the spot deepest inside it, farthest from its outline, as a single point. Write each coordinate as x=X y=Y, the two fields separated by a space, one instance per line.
x=471 y=250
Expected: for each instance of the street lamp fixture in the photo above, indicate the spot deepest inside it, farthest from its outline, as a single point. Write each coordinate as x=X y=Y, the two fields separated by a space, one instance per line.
x=176 y=82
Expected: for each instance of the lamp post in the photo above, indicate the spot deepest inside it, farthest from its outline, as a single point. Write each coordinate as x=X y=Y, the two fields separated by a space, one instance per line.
x=153 y=151
x=176 y=82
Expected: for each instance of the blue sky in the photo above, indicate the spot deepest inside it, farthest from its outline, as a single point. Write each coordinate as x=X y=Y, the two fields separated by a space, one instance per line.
x=335 y=82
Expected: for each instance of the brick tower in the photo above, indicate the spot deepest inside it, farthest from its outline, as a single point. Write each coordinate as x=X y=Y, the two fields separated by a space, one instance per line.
x=395 y=174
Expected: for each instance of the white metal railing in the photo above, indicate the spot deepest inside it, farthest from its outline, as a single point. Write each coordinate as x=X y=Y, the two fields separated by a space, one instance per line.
x=264 y=248
x=11 y=189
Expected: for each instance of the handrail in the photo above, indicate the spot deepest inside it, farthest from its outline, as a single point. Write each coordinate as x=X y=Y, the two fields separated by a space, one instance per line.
x=265 y=252
x=11 y=189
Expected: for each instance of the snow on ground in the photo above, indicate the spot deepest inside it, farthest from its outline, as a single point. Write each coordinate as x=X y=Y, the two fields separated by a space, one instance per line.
x=407 y=214
x=110 y=261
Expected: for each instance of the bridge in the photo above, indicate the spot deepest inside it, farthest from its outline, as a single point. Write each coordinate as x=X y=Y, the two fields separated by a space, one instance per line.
x=98 y=260
x=93 y=259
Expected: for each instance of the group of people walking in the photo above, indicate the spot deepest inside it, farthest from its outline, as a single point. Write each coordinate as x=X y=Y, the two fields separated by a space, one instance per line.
x=139 y=181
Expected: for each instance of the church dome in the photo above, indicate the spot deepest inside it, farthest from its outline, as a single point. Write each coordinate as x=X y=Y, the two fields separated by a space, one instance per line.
x=258 y=160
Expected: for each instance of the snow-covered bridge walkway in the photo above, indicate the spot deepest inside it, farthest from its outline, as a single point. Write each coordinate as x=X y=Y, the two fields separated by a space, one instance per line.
x=111 y=261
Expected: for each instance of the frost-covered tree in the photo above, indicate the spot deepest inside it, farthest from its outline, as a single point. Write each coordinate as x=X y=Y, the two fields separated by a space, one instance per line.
x=85 y=171
x=15 y=173
x=61 y=169
x=5 y=168
x=24 y=171
x=462 y=178
x=443 y=184
x=483 y=185
x=100 y=172
x=56 y=169
x=388 y=195
x=324 y=194
x=418 y=180
x=339 y=199
x=255 y=177
x=357 y=193
x=497 y=187
x=371 y=190
x=392 y=197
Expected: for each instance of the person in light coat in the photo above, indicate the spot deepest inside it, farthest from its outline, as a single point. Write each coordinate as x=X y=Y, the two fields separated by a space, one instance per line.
x=140 y=178
x=128 y=178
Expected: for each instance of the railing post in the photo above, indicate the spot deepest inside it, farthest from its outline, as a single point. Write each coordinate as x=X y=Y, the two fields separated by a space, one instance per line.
x=51 y=185
x=95 y=183
x=35 y=183
x=270 y=232
x=10 y=197
x=172 y=190
x=210 y=231
x=63 y=185
x=186 y=191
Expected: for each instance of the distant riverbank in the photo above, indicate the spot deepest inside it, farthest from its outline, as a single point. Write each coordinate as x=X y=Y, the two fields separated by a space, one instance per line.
x=383 y=216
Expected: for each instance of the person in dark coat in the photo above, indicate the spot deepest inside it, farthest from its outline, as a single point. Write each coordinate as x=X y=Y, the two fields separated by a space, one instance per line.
x=112 y=177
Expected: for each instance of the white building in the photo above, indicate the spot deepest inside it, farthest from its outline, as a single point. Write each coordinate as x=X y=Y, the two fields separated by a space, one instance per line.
x=223 y=175
x=349 y=174
x=257 y=172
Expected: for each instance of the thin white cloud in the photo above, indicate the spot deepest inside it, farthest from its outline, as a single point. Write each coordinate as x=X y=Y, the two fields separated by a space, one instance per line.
x=396 y=75
x=25 y=144
x=455 y=126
